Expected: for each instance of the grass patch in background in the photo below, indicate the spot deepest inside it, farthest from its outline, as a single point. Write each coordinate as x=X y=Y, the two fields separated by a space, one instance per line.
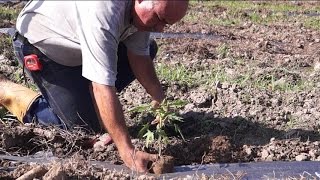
x=313 y=22
x=269 y=81
x=270 y=18
x=231 y=13
x=191 y=77
x=250 y=5
x=6 y=48
x=8 y=14
x=178 y=73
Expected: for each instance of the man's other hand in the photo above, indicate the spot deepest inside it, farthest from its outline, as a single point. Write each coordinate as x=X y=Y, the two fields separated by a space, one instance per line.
x=138 y=160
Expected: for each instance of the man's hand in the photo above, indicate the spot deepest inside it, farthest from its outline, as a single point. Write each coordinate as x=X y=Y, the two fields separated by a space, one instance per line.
x=138 y=160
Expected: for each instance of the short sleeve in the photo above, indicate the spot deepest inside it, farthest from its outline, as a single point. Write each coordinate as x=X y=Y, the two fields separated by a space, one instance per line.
x=99 y=26
x=138 y=43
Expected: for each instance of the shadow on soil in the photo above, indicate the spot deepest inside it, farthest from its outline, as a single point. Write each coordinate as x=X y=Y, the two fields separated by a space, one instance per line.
x=239 y=129
x=224 y=140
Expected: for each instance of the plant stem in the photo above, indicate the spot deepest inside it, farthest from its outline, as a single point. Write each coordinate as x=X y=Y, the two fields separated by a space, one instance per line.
x=160 y=145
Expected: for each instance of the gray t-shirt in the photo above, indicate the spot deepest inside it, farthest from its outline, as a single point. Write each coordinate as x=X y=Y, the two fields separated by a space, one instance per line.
x=83 y=32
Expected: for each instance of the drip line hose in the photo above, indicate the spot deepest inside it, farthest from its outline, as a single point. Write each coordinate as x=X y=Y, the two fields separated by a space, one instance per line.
x=254 y=170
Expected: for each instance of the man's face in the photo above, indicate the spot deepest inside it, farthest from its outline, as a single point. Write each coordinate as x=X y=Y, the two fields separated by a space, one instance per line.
x=154 y=16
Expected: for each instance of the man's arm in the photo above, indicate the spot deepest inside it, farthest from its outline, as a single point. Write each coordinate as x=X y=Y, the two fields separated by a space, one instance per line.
x=110 y=112
x=143 y=69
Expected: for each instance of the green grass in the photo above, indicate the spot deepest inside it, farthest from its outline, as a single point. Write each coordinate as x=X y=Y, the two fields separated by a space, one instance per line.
x=177 y=73
x=185 y=75
x=313 y=23
x=6 y=47
x=9 y=14
x=237 y=12
x=235 y=6
x=272 y=18
x=210 y=76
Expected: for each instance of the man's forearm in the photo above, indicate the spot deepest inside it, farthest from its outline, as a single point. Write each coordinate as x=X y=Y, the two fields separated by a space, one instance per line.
x=143 y=69
x=110 y=112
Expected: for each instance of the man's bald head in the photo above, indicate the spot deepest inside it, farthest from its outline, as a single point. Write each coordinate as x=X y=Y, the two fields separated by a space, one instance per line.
x=153 y=15
x=172 y=10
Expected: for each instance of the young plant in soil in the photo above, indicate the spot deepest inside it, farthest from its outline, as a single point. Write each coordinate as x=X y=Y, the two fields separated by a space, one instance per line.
x=165 y=116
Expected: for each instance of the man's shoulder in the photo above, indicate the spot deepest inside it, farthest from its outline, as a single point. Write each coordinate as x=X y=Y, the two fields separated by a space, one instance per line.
x=105 y=5
x=109 y=9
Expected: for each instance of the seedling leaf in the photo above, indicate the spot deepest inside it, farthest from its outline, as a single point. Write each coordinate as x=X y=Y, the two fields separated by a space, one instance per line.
x=140 y=109
x=149 y=137
x=177 y=129
x=165 y=115
x=143 y=130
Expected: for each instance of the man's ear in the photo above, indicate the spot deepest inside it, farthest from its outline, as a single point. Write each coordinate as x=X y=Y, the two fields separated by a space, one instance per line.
x=137 y=2
x=145 y=4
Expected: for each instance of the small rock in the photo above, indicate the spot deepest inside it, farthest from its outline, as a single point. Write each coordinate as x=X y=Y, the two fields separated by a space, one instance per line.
x=247 y=149
x=302 y=157
x=272 y=148
x=110 y=148
x=225 y=86
x=270 y=157
x=313 y=153
x=272 y=140
x=264 y=154
x=201 y=98
x=317 y=66
x=189 y=107
x=99 y=146
x=146 y=177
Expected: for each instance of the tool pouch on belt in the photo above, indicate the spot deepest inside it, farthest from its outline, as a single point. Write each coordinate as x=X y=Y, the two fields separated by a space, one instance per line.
x=32 y=62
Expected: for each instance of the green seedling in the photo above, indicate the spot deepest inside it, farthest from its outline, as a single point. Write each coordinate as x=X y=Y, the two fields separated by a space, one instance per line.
x=165 y=115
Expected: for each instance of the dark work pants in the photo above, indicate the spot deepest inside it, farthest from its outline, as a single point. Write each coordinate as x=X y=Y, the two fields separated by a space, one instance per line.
x=66 y=100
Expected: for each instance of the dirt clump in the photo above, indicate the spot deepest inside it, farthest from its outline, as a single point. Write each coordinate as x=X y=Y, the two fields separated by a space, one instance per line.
x=220 y=150
x=164 y=164
x=204 y=149
x=55 y=173
x=17 y=139
x=35 y=172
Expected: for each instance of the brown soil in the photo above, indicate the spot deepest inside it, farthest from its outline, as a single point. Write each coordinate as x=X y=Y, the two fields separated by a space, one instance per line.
x=235 y=120
x=165 y=164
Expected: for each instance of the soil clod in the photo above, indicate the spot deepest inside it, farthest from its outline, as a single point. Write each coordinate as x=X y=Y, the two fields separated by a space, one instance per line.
x=165 y=164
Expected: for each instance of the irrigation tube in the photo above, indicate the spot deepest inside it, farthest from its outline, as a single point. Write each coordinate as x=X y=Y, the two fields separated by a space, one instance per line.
x=254 y=170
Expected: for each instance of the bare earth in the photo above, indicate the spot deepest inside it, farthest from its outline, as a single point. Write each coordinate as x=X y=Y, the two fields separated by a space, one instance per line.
x=266 y=107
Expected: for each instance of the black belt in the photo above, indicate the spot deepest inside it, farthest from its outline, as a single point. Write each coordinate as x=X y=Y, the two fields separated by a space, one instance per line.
x=22 y=39
x=18 y=36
